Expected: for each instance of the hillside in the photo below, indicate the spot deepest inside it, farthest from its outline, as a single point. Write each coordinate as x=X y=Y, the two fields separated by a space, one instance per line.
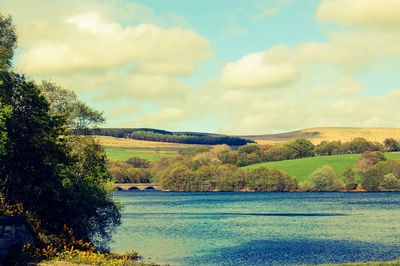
x=318 y=134
x=302 y=168
x=122 y=148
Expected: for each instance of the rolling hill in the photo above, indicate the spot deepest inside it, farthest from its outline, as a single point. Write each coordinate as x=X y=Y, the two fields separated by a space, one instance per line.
x=302 y=168
x=318 y=134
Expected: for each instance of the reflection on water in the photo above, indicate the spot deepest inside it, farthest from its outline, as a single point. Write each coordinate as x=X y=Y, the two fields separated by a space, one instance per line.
x=259 y=228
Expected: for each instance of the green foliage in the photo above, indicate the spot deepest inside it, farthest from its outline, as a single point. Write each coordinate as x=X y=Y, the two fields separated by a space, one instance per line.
x=207 y=171
x=301 y=148
x=390 y=183
x=391 y=144
x=138 y=162
x=325 y=179
x=302 y=168
x=360 y=145
x=123 y=172
x=177 y=178
x=123 y=154
x=59 y=180
x=5 y=112
x=264 y=179
x=8 y=42
x=349 y=179
x=371 y=178
x=329 y=148
x=65 y=104
x=150 y=134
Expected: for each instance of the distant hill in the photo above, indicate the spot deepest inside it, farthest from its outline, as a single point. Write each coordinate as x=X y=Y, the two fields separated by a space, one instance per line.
x=158 y=135
x=318 y=134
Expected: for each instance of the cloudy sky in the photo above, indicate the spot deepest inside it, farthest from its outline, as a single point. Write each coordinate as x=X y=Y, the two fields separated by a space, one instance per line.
x=226 y=66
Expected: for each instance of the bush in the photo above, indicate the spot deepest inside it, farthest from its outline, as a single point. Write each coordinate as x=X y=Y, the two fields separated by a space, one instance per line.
x=264 y=179
x=138 y=162
x=301 y=148
x=325 y=179
x=371 y=178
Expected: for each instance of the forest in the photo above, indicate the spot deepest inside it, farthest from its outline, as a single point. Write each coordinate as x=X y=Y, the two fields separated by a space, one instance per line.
x=149 y=134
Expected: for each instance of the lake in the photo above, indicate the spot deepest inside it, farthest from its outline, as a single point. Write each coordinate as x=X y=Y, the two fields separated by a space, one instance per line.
x=259 y=228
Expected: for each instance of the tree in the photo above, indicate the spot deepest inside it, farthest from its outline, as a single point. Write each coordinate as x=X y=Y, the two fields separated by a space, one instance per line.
x=329 y=148
x=264 y=179
x=138 y=162
x=371 y=178
x=59 y=179
x=349 y=179
x=203 y=178
x=278 y=153
x=301 y=147
x=390 y=183
x=5 y=112
x=368 y=159
x=391 y=144
x=325 y=179
x=177 y=178
x=8 y=42
x=64 y=103
x=228 y=177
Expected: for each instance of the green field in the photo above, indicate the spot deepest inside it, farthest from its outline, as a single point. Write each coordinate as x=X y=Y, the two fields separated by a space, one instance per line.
x=302 y=168
x=149 y=153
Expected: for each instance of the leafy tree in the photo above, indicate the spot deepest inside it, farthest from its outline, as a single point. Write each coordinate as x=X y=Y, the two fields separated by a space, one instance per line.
x=301 y=147
x=5 y=112
x=325 y=179
x=360 y=145
x=329 y=148
x=391 y=144
x=278 y=153
x=138 y=162
x=177 y=178
x=368 y=159
x=65 y=104
x=59 y=179
x=204 y=178
x=390 y=183
x=229 y=178
x=371 y=178
x=264 y=179
x=349 y=179
x=8 y=42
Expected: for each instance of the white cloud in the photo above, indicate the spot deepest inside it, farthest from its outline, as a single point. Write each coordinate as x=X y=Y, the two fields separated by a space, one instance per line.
x=258 y=70
x=364 y=13
x=91 y=42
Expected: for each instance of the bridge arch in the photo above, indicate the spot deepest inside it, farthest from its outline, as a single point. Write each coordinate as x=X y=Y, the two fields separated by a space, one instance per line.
x=133 y=188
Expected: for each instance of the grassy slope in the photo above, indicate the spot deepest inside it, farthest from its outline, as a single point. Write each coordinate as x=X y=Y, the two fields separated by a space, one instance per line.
x=123 y=149
x=318 y=134
x=302 y=168
x=122 y=154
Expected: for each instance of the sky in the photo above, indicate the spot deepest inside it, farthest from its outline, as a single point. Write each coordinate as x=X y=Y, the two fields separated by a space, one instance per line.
x=223 y=66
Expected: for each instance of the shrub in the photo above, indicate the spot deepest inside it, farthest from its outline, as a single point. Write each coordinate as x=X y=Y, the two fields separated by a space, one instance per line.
x=325 y=179
x=264 y=179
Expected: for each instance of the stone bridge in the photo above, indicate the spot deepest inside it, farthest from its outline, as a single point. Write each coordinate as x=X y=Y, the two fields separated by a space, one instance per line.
x=137 y=186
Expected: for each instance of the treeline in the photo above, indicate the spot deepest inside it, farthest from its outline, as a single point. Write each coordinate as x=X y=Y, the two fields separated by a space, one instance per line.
x=149 y=134
x=205 y=171
x=300 y=148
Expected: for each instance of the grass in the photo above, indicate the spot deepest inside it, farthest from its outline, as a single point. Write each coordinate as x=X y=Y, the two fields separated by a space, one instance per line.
x=302 y=168
x=122 y=154
x=122 y=149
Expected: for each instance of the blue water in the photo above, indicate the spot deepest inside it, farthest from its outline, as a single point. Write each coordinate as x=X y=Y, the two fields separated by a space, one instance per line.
x=259 y=228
